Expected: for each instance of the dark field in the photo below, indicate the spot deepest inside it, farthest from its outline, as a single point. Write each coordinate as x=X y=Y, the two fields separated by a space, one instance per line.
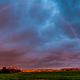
x=66 y=75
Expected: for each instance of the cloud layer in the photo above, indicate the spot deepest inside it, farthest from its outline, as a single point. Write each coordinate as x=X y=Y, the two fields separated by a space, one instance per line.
x=40 y=33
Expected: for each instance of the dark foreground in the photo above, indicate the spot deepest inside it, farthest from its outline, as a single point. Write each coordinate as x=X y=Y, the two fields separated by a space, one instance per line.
x=66 y=75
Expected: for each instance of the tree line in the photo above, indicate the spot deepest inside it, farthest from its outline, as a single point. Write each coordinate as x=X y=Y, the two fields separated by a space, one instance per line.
x=9 y=70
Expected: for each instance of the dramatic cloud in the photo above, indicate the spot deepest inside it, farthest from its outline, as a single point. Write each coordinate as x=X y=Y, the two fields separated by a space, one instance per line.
x=40 y=33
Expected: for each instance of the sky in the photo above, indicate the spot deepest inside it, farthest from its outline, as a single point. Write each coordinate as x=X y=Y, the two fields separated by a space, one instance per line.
x=40 y=33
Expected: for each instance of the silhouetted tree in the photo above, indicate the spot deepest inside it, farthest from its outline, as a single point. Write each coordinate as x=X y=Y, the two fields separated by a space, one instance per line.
x=5 y=70
x=9 y=70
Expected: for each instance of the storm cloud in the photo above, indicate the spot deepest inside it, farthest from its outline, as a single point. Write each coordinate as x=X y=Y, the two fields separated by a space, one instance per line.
x=40 y=33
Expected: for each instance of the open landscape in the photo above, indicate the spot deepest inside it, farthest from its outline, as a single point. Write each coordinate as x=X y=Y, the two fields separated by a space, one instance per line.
x=40 y=74
x=39 y=39
x=14 y=73
x=62 y=75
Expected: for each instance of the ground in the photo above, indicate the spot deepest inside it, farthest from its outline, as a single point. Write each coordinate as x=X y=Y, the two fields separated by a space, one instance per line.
x=66 y=75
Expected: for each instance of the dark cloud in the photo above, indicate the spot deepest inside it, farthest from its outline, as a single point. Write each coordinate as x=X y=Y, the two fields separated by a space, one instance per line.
x=10 y=57
x=40 y=34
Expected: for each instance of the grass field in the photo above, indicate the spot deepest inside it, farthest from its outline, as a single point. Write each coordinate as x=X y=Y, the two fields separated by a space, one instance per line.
x=67 y=75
